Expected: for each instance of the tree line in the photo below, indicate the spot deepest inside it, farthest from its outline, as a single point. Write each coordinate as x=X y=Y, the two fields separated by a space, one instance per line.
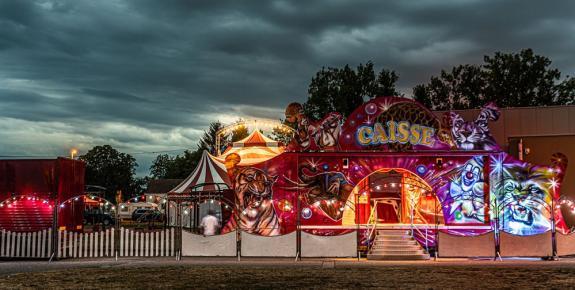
x=519 y=79
x=114 y=170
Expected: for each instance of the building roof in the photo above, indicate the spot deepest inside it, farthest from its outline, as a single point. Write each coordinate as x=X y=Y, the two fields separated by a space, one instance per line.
x=162 y=185
x=209 y=175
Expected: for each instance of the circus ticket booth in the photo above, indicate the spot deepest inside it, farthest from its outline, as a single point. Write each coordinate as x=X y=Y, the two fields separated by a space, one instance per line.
x=392 y=181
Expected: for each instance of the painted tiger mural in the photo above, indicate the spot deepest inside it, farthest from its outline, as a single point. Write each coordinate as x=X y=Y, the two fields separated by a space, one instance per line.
x=255 y=209
x=474 y=135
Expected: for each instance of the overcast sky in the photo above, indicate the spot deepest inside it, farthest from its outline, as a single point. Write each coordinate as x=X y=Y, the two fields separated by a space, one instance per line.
x=149 y=75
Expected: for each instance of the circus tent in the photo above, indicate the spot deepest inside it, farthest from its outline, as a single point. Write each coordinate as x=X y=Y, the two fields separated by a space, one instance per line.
x=209 y=175
x=253 y=149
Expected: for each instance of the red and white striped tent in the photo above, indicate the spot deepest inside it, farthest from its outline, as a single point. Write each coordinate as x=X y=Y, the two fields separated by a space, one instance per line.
x=253 y=149
x=209 y=175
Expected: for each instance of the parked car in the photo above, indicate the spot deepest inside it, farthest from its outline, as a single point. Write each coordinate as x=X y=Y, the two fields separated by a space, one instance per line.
x=147 y=215
x=127 y=209
x=98 y=217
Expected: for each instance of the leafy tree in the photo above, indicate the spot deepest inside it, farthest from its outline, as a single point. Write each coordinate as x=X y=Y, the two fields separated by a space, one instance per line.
x=508 y=79
x=107 y=167
x=344 y=89
x=184 y=164
x=520 y=80
x=282 y=134
x=566 y=92
x=179 y=167
x=160 y=166
x=140 y=185
x=239 y=133
x=459 y=89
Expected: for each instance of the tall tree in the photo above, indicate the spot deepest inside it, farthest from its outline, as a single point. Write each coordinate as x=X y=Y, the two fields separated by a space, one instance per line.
x=107 y=167
x=344 y=89
x=184 y=164
x=459 y=89
x=208 y=140
x=161 y=166
x=508 y=79
x=520 y=79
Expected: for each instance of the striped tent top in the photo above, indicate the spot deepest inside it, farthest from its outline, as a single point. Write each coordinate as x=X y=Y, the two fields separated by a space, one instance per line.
x=253 y=149
x=205 y=177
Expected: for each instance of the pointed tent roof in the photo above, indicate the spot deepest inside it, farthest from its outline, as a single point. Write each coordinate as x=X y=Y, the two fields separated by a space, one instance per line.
x=256 y=139
x=253 y=149
x=205 y=177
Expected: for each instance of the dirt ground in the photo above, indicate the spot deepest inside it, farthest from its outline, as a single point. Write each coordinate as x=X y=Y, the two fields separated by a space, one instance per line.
x=320 y=274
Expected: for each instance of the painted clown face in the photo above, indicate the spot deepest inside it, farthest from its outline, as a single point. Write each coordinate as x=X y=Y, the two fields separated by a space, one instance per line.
x=470 y=176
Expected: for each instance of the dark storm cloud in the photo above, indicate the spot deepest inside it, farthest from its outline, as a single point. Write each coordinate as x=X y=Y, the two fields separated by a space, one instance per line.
x=146 y=75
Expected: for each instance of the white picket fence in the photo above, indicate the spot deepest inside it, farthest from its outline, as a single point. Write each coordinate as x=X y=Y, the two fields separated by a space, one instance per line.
x=84 y=245
x=103 y=244
x=146 y=244
x=26 y=244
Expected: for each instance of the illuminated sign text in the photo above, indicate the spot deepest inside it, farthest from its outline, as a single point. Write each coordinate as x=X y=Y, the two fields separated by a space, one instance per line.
x=395 y=132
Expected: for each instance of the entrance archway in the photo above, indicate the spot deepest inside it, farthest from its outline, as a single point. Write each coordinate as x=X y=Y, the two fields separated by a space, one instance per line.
x=393 y=196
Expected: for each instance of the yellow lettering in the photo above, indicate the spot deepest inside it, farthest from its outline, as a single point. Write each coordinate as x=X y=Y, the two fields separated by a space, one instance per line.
x=415 y=137
x=364 y=135
x=403 y=132
x=379 y=135
x=426 y=135
x=391 y=125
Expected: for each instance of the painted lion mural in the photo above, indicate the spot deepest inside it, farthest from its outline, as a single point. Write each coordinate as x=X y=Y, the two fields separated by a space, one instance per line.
x=524 y=195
